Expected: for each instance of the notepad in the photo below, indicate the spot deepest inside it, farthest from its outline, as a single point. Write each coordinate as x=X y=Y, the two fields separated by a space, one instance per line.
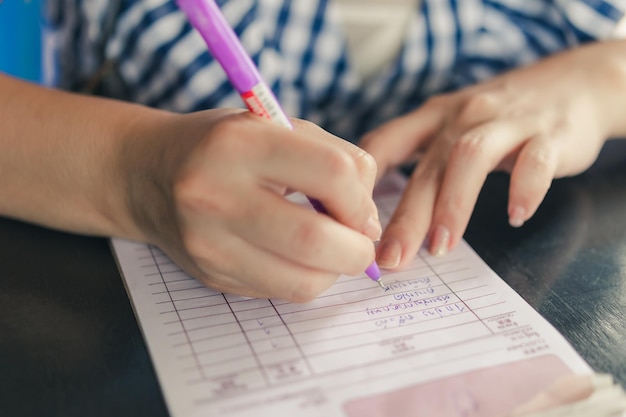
x=448 y=338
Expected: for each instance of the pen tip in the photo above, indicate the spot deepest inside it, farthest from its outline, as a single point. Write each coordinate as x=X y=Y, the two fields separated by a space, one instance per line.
x=382 y=285
x=373 y=271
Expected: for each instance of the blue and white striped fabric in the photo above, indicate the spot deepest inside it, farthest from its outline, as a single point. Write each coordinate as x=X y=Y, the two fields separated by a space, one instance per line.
x=300 y=49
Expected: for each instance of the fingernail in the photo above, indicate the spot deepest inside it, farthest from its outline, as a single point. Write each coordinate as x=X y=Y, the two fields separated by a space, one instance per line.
x=389 y=254
x=372 y=228
x=516 y=216
x=440 y=241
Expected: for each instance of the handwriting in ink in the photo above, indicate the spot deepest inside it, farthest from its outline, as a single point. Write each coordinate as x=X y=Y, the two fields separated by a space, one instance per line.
x=413 y=295
x=408 y=305
x=435 y=312
x=411 y=284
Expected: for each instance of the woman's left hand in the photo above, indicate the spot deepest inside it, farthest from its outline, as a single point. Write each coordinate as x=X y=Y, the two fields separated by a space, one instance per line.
x=541 y=122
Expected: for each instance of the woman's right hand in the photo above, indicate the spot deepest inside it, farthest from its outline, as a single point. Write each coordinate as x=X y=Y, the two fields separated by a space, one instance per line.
x=207 y=188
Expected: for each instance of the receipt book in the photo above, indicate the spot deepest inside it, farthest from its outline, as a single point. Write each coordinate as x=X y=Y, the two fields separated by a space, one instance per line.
x=448 y=338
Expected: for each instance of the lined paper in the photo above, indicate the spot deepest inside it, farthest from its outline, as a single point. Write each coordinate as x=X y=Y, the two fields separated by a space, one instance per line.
x=448 y=336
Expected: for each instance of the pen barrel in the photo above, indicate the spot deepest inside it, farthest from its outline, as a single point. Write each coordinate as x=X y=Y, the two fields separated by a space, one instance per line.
x=207 y=18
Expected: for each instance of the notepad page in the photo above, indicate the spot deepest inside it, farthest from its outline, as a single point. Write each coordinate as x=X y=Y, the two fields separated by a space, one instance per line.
x=448 y=337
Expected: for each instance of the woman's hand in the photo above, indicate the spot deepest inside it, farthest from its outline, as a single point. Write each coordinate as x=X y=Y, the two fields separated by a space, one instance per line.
x=205 y=187
x=541 y=122
x=208 y=189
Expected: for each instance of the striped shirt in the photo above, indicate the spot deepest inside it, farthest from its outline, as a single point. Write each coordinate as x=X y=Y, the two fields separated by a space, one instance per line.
x=300 y=48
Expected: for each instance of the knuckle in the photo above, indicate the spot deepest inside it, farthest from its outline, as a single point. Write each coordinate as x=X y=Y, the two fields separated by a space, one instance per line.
x=339 y=164
x=539 y=159
x=309 y=238
x=365 y=163
x=471 y=144
x=477 y=107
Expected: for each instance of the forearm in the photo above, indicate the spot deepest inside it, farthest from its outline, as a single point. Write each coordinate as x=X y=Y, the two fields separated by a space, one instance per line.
x=61 y=158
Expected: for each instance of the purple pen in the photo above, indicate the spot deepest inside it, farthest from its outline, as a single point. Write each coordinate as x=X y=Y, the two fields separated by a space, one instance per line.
x=224 y=45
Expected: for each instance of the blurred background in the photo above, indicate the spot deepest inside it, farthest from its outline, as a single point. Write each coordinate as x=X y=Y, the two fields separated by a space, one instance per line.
x=20 y=38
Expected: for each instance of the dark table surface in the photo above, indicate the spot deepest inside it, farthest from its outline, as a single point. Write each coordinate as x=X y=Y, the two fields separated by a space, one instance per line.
x=70 y=344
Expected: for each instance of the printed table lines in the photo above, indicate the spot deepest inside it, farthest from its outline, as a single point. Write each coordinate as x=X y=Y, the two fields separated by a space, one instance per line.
x=174 y=304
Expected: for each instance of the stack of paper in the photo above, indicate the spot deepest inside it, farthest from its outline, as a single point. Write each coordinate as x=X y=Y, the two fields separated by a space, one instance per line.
x=448 y=338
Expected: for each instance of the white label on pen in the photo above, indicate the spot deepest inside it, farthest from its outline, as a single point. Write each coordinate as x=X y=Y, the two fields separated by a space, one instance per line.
x=262 y=102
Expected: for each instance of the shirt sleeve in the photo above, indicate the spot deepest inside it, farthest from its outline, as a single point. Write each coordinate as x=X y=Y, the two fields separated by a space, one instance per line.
x=620 y=29
x=513 y=33
x=591 y=20
x=73 y=35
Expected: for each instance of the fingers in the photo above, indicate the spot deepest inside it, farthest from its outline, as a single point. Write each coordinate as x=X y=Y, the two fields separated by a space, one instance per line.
x=365 y=163
x=325 y=172
x=240 y=233
x=440 y=196
x=397 y=141
x=502 y=123
x=411 y=220
x=301 y=236
x=273 y=247
x=531 y=178
x=472 y=157
x=239 y=267
x=243 y=152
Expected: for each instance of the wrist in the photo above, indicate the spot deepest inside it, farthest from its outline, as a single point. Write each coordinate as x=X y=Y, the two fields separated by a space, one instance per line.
x=59 y=165
x=143 y=197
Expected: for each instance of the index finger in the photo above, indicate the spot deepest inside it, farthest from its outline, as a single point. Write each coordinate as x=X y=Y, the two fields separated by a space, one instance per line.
x=410 y=222
x=365 y=163
x=395 y=142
